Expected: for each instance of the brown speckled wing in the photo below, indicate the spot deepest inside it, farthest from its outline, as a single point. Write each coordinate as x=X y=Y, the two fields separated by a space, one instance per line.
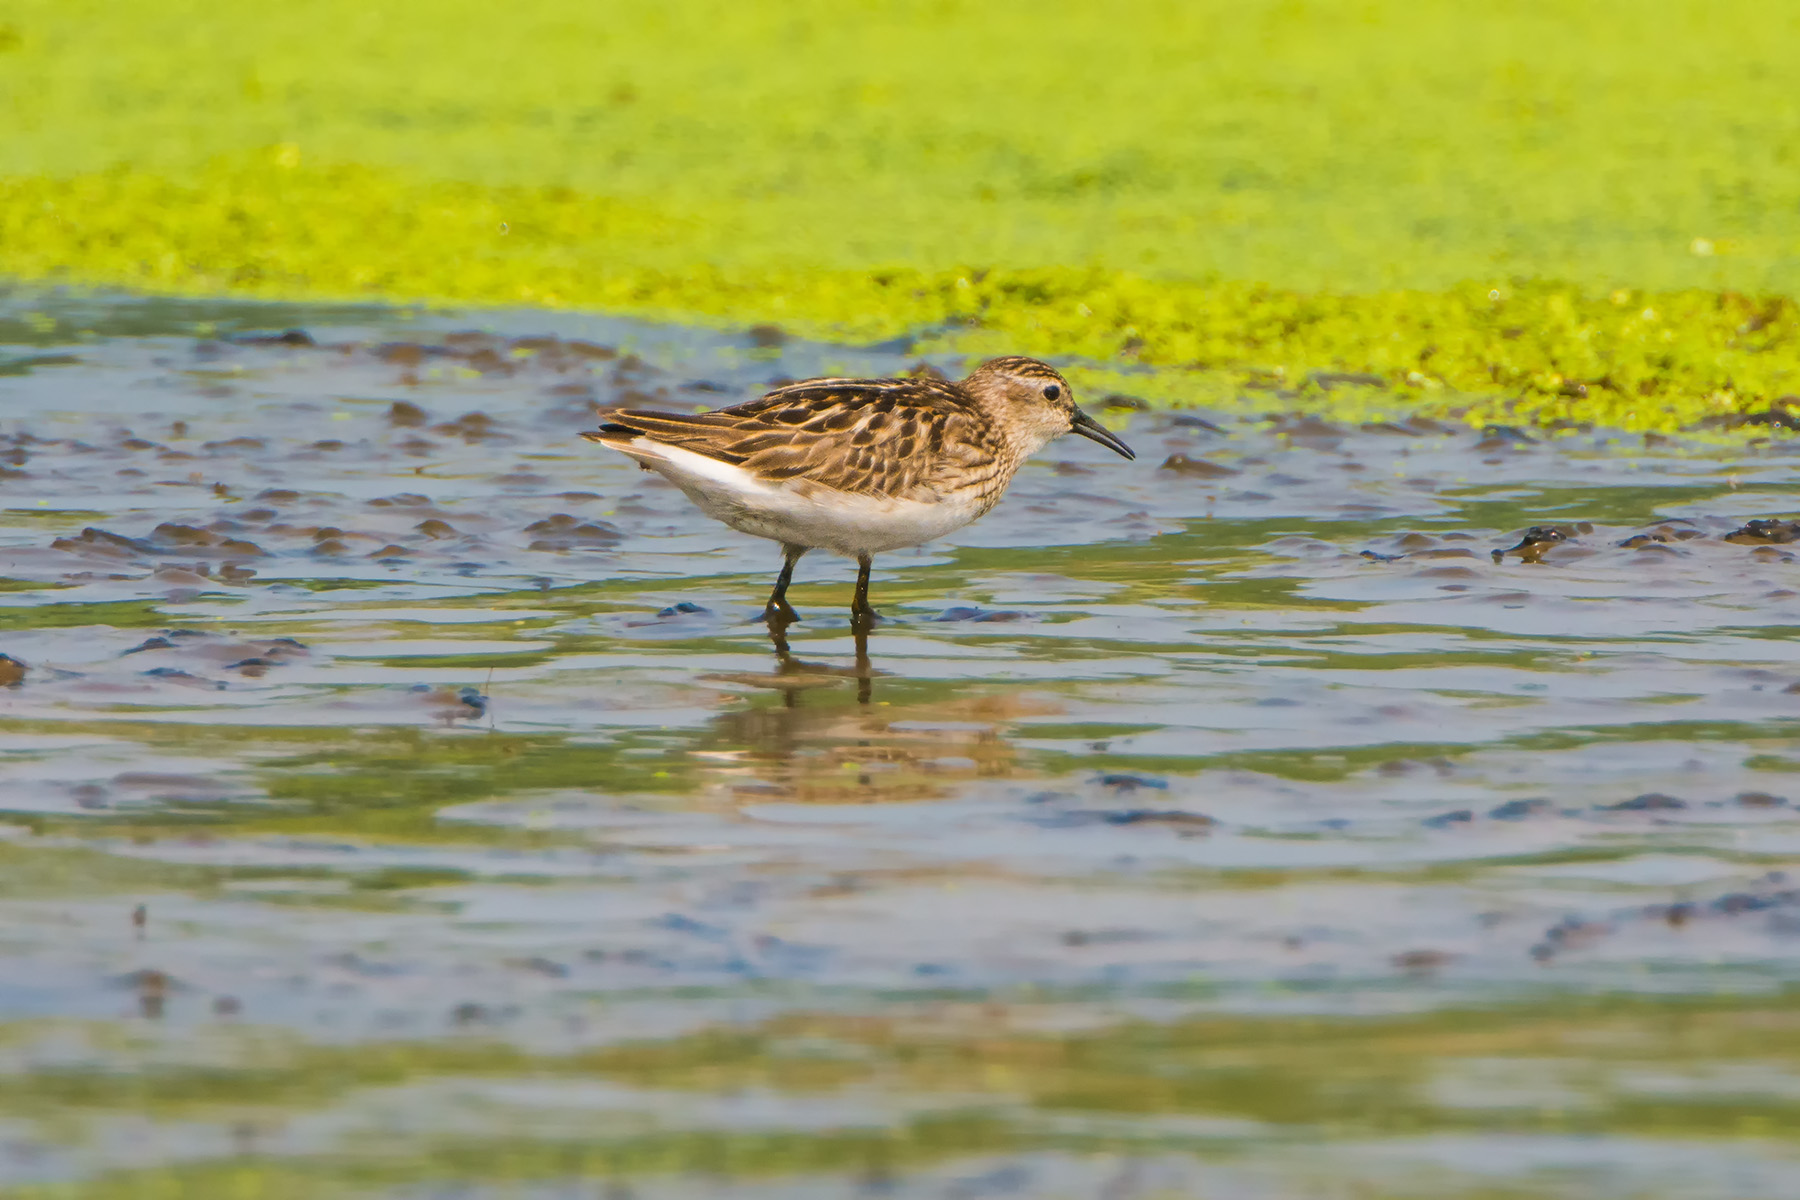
x=911 y=439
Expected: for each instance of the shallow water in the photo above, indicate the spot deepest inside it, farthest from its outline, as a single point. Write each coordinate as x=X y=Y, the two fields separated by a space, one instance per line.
x=403 y=799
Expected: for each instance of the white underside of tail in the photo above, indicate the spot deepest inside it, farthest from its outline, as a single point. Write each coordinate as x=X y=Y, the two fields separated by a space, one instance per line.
x=797 y=512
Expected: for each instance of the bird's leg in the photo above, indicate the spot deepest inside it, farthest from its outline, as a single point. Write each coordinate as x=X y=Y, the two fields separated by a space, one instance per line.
x=778 y=612
x=784 y=659
x=862 y=616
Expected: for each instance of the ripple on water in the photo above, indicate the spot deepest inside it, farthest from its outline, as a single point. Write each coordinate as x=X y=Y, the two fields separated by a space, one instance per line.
x=355 y=712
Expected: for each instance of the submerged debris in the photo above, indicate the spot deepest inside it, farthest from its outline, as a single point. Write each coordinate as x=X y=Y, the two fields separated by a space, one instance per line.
x=1662 y=534
x=1198 y=468
x=980 y=615
x=1648 y=802
x=1519 y=810
x=1759 y=800
x=1574 y=933
x=1188 y=824
x=1534 y=541
x=452 y=704
x=1504 y=437
x=561 y=532
x=1765 y=532
x=1125 y=782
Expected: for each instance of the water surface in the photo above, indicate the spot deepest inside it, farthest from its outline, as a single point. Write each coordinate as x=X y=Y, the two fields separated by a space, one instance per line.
x=402 y=797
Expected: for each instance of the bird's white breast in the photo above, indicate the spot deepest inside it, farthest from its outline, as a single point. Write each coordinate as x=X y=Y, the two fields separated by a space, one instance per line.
x=801 y=513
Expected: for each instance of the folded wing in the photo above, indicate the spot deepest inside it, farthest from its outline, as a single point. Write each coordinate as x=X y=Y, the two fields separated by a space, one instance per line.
x=868 y=437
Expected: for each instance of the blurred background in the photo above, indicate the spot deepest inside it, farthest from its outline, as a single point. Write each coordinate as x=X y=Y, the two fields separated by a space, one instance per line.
x=1382 y=789
x=1298 y=143
x=1233 y=183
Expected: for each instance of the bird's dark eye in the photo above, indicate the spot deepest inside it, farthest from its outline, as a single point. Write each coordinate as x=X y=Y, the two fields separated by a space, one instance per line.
x=1052 y=391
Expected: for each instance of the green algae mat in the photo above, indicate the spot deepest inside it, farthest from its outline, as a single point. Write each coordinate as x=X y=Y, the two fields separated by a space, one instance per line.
x=1568 y=211
x=400 y=798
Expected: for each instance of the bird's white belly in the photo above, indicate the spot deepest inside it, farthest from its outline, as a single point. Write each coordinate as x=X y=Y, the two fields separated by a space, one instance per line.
x=800 y=513
x=838 y=521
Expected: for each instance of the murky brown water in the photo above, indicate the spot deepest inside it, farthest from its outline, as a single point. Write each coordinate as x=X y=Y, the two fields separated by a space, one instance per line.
x=402 y=798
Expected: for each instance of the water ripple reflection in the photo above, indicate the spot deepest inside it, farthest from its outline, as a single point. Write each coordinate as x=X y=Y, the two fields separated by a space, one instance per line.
x=400 y=795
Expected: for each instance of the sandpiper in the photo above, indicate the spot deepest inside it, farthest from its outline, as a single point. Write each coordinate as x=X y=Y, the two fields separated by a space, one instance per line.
x=857 y=466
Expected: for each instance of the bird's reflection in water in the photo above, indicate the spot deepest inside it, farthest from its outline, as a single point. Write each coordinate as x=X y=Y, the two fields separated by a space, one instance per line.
x=792 y=675
x=819 y=749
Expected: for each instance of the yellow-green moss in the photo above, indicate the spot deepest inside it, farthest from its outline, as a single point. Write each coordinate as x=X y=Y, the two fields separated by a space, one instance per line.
x=1282 y=187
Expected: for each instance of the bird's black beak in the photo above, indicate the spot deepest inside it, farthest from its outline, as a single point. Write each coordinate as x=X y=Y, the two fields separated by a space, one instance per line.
x=1094 y=431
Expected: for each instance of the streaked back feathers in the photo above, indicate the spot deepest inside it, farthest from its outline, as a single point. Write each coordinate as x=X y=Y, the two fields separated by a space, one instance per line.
x=913 y=439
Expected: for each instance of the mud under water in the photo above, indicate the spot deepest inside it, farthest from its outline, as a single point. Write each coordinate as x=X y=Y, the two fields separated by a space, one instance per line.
x=402 y=797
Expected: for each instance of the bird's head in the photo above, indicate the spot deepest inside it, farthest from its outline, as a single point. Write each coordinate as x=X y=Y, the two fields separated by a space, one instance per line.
x=1034 y=403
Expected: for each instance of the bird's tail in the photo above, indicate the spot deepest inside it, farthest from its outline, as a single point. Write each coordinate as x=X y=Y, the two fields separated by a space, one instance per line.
x=612 y=431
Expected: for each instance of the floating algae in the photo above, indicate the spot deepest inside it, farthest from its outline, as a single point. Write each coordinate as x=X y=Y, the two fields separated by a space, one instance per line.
x=1500 y=202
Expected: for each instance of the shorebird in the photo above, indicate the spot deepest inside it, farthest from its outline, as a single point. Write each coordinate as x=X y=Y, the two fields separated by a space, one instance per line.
x=857 y=466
